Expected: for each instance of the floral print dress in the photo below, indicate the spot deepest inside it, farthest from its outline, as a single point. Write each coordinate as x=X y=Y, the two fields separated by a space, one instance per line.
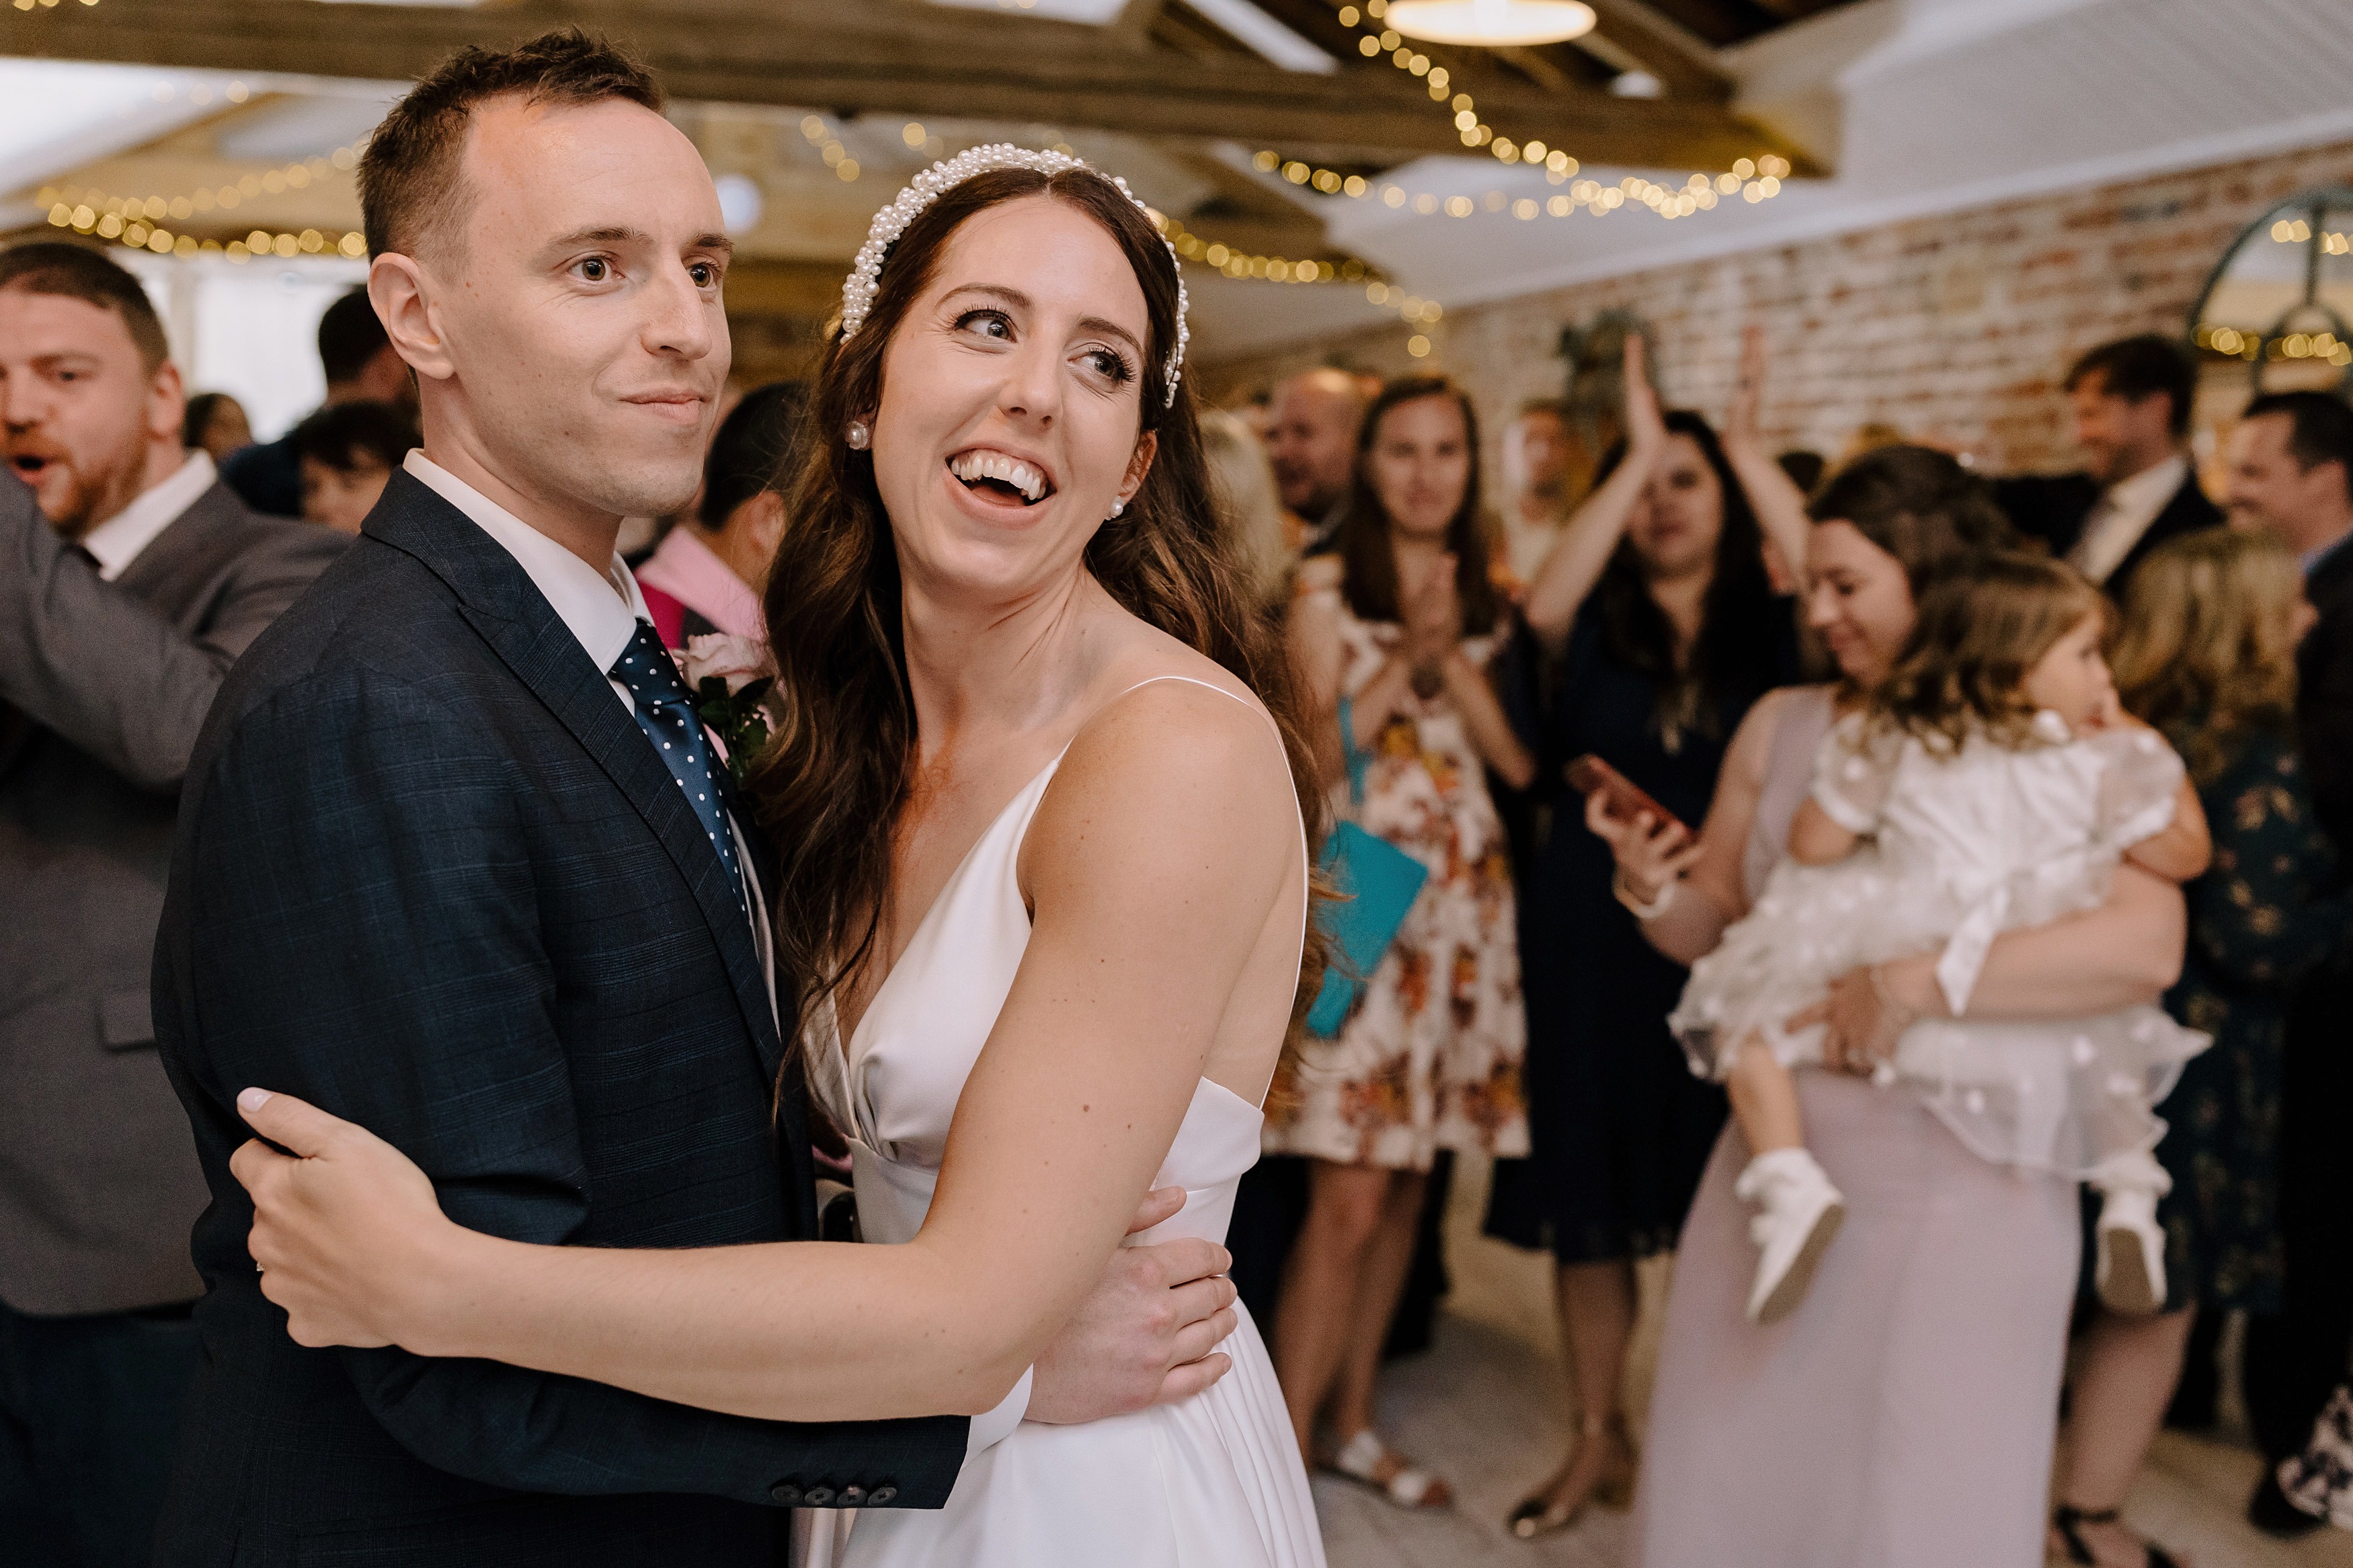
x=1430 y=1057
x=2260 y=920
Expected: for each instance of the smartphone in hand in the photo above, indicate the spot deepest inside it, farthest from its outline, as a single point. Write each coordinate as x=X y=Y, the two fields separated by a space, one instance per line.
x=1621 y=797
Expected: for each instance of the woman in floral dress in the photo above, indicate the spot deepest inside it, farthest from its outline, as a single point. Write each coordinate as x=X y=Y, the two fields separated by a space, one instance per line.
x=2208 y=655
x=1392 y=635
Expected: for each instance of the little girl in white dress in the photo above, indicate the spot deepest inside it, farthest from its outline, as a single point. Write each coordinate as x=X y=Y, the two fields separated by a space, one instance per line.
x=1987 y=786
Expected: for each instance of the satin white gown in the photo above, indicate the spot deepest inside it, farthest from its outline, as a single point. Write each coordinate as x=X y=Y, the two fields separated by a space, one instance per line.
x=1213 y=1482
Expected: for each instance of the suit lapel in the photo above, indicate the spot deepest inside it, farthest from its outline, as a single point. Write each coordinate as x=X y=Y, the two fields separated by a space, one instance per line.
x=499 y=600
x=2186 y=511
x=191 y=549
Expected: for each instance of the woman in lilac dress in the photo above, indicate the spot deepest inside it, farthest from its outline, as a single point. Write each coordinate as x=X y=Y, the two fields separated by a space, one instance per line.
x=1902 y=1417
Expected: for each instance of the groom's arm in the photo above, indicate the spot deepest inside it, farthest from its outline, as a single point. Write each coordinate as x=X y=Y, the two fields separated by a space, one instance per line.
x=365 y=936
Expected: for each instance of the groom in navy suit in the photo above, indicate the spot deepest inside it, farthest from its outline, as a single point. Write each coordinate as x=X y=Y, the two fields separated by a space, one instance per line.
x=456 y=861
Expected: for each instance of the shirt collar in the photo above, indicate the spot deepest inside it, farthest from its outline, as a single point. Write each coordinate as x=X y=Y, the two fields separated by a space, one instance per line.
x=119 y=540
x=2312 y=558
x=2149 y=491
x=690 y=571
x=602 y=609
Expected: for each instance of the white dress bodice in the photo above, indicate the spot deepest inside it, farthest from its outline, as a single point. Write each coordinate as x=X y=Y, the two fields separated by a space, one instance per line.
x=1212 y=1481
x=892 y=1085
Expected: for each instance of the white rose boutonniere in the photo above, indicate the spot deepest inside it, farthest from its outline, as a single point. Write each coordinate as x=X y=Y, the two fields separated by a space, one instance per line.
x=731 y=678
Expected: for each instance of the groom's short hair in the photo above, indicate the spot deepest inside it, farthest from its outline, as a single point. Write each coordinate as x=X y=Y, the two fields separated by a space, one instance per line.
x=412 y=181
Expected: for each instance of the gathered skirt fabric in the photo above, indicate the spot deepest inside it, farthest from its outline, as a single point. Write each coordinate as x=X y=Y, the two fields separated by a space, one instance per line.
x=1213 y=1481
x=1903 y=1417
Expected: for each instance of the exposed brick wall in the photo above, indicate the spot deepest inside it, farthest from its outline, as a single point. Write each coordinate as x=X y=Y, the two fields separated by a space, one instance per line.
x=1954 y=329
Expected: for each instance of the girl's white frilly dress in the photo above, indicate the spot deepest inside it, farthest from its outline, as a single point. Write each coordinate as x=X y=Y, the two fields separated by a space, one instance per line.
x=1962 y=843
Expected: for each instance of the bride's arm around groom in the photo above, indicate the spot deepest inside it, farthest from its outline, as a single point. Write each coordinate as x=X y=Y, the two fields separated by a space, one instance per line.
x=1154 y=865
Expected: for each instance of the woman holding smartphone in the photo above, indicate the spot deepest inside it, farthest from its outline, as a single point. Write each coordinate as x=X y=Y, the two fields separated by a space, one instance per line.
x=1902 y=1418
x=1661 y=629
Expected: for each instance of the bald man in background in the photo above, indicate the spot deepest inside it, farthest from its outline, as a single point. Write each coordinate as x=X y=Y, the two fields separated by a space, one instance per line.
x=1313 y=444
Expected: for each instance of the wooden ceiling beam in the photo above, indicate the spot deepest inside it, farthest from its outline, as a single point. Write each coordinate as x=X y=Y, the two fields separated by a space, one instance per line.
x=896 y=58
x=1683 y=61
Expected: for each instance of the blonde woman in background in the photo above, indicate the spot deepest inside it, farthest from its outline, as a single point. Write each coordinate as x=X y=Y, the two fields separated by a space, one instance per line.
x=1265 y=536
x=2207 y=655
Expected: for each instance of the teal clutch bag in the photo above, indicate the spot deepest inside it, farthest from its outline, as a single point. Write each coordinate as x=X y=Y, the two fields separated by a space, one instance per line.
x=1378 y=883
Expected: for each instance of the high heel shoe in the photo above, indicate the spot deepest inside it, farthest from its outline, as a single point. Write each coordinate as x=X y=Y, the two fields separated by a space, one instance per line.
x=1614 y=1488
x=1536 y=1518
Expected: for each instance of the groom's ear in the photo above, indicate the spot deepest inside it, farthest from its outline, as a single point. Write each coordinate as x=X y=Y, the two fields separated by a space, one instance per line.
x=402 y=294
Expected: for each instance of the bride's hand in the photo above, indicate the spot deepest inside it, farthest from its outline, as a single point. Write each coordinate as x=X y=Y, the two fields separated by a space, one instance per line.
x=342 y=1226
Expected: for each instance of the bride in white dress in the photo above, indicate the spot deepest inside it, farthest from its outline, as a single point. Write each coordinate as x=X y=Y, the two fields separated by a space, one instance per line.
x=1040 y=899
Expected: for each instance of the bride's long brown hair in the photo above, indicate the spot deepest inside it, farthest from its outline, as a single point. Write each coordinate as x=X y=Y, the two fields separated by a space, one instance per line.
x=829 y=788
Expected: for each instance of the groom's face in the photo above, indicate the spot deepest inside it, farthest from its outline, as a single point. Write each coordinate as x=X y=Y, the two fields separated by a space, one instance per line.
x=577 y=303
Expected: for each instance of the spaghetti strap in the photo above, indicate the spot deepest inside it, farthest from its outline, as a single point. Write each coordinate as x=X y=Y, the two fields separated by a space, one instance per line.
x=1205 y=686
x=1256 y=707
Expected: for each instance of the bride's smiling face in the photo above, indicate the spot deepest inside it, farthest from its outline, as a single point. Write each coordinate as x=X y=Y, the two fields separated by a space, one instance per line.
x=1010 y=411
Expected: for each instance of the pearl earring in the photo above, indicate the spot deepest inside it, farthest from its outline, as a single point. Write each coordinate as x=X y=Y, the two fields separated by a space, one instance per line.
x=1117 y=507
x=858 y=437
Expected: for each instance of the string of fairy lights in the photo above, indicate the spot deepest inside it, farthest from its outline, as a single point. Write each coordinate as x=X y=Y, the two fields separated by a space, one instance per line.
x=2275 y=346
x=1235 y=262
x=1754 y=180
x=142 y=223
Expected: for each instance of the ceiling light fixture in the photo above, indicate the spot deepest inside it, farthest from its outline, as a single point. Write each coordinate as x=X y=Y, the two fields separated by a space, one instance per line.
x=1490 y=24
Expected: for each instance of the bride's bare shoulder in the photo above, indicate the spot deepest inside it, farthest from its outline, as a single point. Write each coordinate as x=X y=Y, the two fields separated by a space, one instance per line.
x=1178 y=757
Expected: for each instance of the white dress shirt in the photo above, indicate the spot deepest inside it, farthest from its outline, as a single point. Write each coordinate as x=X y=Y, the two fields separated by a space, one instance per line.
x=602 y=610
x=2123 y=515
x=116 y=542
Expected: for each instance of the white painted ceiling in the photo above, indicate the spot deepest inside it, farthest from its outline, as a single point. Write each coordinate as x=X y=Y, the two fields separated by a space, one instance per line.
x=1919 y=106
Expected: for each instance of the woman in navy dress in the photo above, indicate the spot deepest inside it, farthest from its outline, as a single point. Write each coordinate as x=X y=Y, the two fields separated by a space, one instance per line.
x=1661 y=629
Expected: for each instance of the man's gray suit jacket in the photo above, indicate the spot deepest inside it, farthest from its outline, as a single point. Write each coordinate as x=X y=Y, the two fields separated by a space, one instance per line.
x=103 y=688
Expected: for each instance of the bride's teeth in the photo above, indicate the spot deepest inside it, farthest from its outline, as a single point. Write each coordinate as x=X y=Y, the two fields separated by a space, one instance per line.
x=971 y=465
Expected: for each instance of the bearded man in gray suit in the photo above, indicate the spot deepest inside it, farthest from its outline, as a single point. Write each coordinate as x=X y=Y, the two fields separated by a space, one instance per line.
x=121 y=611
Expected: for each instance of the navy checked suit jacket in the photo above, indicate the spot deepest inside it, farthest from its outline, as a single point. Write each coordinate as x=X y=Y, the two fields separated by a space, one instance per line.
x=432 y=876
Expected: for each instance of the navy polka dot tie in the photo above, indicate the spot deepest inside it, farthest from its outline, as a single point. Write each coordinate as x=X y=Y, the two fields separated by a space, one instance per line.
x=666 y=713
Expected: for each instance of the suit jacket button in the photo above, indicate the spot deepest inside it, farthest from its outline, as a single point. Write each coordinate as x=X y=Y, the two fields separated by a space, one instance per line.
x=882 y=1495
x=786 y=1493
x=818 y=1497
x=852 y=1496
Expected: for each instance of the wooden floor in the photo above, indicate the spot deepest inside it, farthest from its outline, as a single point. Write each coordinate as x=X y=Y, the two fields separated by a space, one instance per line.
x=1484 y=1407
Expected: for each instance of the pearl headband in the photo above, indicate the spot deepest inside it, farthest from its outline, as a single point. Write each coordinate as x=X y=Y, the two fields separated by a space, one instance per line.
x=858 y=288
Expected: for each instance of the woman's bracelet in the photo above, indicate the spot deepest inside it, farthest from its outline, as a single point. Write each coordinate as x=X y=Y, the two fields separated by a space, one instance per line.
x=1634 y=906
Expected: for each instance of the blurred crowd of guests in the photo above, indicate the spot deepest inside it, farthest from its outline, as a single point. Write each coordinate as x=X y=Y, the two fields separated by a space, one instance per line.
x=1664 y=606
x=1691 y=607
